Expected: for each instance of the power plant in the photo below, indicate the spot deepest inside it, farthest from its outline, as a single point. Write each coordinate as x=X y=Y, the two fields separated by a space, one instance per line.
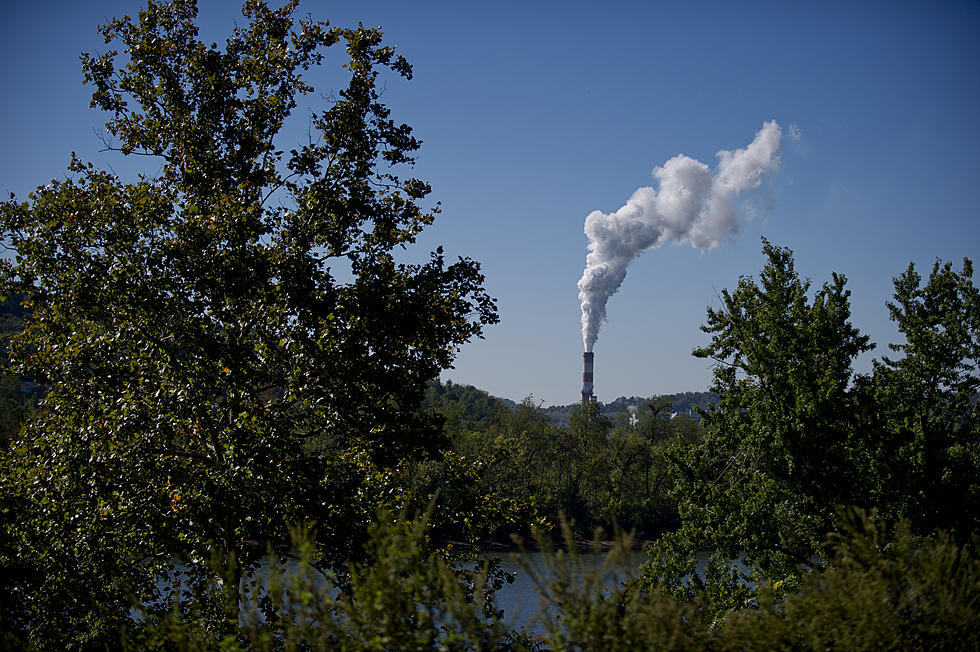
x=588 y=359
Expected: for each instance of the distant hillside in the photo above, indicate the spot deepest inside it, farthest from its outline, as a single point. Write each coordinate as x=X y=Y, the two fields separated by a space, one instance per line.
x=469 y=408
x=465 y=407
x=683 y=403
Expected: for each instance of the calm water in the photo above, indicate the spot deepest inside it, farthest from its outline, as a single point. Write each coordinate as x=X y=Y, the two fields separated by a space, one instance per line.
x=521 y=601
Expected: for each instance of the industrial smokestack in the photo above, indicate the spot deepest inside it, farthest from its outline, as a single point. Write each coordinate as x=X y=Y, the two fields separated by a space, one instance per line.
x=693 y=204
x=587 y=359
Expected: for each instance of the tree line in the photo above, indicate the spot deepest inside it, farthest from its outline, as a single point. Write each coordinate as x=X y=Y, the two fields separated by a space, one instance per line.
x=596 y=472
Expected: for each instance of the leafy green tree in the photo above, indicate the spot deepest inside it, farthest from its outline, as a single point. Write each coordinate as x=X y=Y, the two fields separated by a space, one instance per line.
x=582 y=470
x=781 y=450
x=636 y=452
x=231 y=343
x=494 y=481
x=927 y=402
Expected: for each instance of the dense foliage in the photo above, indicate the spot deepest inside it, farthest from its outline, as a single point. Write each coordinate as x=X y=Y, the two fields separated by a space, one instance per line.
x=926 y=403
x=781 y=450
x=596 y=471
x=18 y=394
x=884 y=589
x=795 y=437
x=230 y=344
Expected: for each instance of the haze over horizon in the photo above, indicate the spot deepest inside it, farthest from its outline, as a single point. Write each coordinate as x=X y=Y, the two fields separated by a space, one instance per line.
x=535 y=115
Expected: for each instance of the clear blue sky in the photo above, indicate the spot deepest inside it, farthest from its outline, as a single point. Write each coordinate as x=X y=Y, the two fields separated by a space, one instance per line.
x=535 y=114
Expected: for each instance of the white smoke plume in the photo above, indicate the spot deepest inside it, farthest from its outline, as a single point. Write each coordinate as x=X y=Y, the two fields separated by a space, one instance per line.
x=692 y=204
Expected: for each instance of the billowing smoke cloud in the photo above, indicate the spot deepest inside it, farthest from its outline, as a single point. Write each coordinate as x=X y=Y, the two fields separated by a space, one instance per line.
x=692 y=204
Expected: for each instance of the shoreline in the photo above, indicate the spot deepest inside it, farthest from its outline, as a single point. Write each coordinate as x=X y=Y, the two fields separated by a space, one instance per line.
x=530 y=545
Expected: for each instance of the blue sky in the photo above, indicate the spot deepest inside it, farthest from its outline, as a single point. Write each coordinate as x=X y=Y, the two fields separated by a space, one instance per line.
x=532 y=115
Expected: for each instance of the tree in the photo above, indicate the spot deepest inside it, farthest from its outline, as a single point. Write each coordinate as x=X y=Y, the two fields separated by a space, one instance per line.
x=884 y=589
x=15 y=402
x=639 y=468
x=231 y=344
x=927 y=402
x=781 y=449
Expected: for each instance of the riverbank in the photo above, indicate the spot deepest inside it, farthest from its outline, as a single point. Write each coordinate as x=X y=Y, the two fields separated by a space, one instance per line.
x=531 y=545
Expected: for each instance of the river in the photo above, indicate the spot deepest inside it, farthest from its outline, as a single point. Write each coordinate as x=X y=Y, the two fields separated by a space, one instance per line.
x=521 y=601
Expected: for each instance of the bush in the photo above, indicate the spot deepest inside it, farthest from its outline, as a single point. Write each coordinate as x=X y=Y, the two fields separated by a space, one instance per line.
x=885 y=589
x=405 y=596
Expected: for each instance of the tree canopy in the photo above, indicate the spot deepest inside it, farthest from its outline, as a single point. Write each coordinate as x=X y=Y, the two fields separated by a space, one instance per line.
x=796 y=437
x=927 y=402
x=231 y=344
x=778 y=452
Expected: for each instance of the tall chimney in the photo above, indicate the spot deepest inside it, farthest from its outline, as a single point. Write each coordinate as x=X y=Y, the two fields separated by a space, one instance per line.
x=587 y=360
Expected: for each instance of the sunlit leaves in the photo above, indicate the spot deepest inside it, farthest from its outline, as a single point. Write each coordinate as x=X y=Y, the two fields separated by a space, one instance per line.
x=928 y=401
x=212 y=381
x=782 y=449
